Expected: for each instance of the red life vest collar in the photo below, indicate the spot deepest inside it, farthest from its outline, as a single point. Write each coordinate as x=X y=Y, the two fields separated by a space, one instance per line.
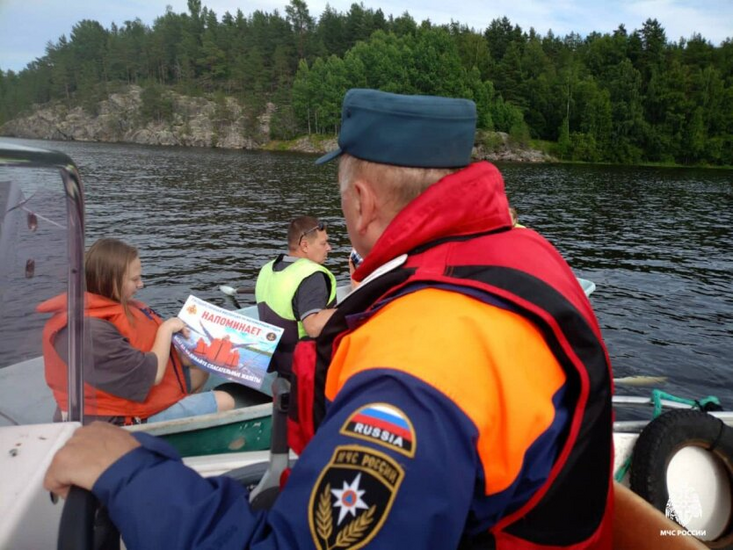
x=444 y=210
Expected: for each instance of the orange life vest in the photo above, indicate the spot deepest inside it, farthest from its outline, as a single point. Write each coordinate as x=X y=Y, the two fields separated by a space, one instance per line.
x=141 y=335
x=469 y=249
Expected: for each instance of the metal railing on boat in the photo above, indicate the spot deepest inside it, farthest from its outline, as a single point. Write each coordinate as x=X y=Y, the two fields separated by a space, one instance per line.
x=635 y=426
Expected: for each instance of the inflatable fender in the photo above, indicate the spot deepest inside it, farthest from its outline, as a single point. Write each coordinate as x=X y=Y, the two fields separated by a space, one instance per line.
x=703 y=472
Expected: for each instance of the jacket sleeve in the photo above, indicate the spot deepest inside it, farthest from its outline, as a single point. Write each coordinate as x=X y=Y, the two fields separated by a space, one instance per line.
x=157 y=502
x=392 y=465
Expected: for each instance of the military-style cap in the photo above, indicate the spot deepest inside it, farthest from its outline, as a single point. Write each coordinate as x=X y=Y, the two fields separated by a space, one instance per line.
x=406 y=130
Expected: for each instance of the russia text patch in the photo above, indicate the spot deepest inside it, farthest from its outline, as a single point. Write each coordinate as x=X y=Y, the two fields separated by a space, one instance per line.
x=384 y=424
x=353 y=497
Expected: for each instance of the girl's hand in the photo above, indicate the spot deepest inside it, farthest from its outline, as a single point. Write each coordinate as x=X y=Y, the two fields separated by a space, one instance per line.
x=174 y=324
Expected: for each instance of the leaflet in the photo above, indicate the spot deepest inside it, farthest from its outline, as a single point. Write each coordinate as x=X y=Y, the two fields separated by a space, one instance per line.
x=227 y=343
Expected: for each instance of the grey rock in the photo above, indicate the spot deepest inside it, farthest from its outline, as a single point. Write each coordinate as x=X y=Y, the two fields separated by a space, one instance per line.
x=197 y=122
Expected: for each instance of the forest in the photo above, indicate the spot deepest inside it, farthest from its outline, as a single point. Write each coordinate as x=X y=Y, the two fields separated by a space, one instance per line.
x=626 y=97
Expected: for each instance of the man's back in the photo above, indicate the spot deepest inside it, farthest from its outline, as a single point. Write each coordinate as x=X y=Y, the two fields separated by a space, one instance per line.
x=288 y=290
x=484 y=341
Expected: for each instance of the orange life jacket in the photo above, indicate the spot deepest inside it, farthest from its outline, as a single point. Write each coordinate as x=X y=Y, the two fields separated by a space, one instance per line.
x=141 y=335
x=470 y=249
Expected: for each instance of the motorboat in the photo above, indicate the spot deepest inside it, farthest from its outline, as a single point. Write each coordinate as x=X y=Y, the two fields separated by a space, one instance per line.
x=682 y=457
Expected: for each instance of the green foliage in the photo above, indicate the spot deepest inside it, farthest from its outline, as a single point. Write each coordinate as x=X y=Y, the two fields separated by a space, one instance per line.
x=283 y=125
x=583 y=147
x=6 y=100
x=500 y=35
x=620 y=97
x=519 y=134
x=491 y=141
x=563 y=142
x=223 y=115
x=157 y=105
x=505 y=115
x=426 y=62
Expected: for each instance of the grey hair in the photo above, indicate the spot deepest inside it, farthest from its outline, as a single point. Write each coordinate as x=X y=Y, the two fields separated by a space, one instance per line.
x=400 y=184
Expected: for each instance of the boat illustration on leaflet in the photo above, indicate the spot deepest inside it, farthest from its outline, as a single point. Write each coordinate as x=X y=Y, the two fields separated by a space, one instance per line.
x=218 y=352
x=227 y=343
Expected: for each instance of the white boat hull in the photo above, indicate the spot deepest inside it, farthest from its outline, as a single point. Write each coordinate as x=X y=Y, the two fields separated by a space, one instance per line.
x=33 y=447
x=28 y=518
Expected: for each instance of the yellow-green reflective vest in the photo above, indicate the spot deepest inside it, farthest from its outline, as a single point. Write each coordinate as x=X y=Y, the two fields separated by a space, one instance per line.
x=277 y=288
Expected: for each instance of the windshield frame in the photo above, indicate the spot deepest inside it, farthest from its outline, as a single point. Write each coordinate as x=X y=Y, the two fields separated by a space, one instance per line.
x=13 y=155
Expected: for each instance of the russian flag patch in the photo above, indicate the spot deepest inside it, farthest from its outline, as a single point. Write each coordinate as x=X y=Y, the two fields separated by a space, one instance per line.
x=382 y=424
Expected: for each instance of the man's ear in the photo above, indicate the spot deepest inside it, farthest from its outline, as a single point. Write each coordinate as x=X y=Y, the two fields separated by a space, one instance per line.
x=366 y=205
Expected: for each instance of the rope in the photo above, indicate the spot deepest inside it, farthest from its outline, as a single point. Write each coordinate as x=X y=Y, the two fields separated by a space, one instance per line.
x=656 y=400
x=701 y=404
x=621 y=472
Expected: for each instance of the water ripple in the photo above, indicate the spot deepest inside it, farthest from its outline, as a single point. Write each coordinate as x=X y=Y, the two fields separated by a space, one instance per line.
x=657 y=242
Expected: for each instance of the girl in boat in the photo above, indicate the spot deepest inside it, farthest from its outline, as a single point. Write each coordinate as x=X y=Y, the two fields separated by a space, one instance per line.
x=132 y=373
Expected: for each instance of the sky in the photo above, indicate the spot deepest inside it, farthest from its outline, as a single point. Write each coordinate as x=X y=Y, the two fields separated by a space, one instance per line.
x=26 y=26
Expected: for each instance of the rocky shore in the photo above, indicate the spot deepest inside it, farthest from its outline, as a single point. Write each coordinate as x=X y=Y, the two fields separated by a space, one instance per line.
x=194 y=122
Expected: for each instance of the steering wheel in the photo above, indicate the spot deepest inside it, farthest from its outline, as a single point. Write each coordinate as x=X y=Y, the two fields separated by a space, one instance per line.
x=85 y=525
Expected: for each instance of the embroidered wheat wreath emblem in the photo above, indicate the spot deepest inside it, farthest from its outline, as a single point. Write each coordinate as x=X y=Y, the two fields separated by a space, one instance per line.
x=355 y=530
x=324 y=520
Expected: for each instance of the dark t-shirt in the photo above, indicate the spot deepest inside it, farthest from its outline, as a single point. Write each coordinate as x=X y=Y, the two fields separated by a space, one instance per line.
x=115 y=366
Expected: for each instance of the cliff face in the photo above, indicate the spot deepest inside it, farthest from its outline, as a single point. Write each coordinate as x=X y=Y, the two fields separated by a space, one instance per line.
x=195 y=122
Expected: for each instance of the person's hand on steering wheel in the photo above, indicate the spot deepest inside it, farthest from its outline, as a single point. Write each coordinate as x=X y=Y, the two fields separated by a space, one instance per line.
x=90 y=451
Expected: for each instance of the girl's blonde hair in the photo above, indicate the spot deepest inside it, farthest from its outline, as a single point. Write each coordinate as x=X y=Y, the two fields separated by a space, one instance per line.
x=105 y=265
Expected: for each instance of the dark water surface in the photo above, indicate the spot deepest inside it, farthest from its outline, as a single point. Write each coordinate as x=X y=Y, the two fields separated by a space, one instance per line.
x=657 y=242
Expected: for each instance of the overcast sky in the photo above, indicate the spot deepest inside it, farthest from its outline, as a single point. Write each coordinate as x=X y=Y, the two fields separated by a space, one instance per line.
x=26 y=26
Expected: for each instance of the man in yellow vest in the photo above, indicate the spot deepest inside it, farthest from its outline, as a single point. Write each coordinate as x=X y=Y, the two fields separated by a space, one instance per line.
x=294 y=291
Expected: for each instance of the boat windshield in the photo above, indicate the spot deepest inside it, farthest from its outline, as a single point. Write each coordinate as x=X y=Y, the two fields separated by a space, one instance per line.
x=41 y=253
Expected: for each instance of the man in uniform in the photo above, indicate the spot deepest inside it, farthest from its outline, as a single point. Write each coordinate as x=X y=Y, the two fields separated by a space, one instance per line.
x=294 y=291
x=459 y=397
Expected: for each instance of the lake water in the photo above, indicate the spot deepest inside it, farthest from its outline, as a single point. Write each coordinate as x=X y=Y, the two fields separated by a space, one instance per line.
x=657 y=242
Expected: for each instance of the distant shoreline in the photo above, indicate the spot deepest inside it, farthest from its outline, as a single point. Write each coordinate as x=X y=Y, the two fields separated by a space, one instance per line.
x=200 y=122
x=197 y=122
